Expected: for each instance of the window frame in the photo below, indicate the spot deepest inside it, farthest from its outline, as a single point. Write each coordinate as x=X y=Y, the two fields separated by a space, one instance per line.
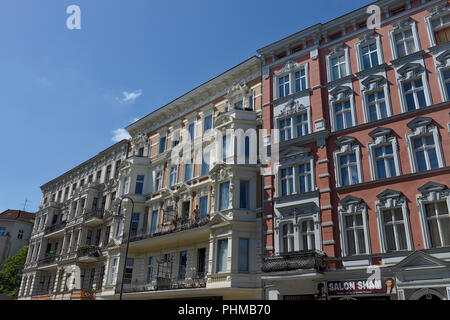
x=346 y=149
x=341 y=94
x=400 y=27
x=337 y=52
x=439 y=13
x=289 y=70
x=383 y=141
x=367 y=40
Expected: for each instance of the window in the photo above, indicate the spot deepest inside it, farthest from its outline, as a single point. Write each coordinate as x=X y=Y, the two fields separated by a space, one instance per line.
x=338 y=67
x=250 y=102
x=112 y=271
x=302 y=124
x=207 y=124
x=154 y=225
x=343 y=115
x=284 y=86
x=149 y=270
x=128 y=273
x=126 y=181
x=135 y=222
x=243 y=258
x=348 y=168
x=285 y=129
x=440 y=27
x=139 y=184
x=354 y=232
x=438 y=223
x=97 y=178
x=158 y=181
x=222 y=255
x=141 y=152
x=394 y=230
x=108 y=173
x=244 y=194
x=226 y=147
x=287 y=181
x=304 y=173
x=188 y=170
x=376 y=105
x=307 y=236
x=205 y=163
x=116 y=170
x=384 y=162
x=404 y=42
x=288 y=237
x=369 y=55
x=239 y=105
x=173 y=175
x=414 y=94
x=203 y=207
x=224 y=196
x=425 y=153
x=247 y=149
x=446 y=79
x=2 y=231
x=20 y=235
x=191 y=130
x=300 y=80
x=162 y=144
x=182 y=265
x=201 y=261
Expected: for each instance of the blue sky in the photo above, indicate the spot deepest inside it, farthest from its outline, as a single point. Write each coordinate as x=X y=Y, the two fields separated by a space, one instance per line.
x=64 y=93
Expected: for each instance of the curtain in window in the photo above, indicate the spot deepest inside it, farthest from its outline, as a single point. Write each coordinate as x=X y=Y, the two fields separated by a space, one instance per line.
x=224 y=196
x=222 y=253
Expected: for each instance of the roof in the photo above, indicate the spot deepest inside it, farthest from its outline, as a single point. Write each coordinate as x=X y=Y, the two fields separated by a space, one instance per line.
x=17 y=215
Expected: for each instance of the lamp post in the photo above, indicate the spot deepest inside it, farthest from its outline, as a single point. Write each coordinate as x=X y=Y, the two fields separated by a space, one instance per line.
x=128 y=240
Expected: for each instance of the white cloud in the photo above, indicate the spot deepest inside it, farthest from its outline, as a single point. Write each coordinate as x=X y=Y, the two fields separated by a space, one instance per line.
x=131 y=96
x=120 y=134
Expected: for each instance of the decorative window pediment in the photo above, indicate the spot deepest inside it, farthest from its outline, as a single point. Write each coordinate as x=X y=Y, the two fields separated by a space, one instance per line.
x=433 y=191
x=292 y=107
x=295 y=152
x=390 y=198
x=337 y=50
x=289 y=66
x=373 y=82
x=345 y=143
x=340 y=92
x=420 y=123
x=223 y=119
x=402 y=24
x=443 y=58
x=367 y=38
x=431 y=186
x=352 y=204
x=410 y=70
x=236 y=90
x=439 y=10
x=380 y=135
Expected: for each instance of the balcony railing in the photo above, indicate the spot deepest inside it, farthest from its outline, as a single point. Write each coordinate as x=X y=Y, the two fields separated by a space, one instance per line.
x=168 y=227
x=294 y=261
x=95 y=213
x=55 y=227
x=48 y=260
x=160 y=283
x=89 y=251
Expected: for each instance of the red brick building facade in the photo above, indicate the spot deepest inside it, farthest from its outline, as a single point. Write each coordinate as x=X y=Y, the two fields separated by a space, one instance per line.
x=361 y=184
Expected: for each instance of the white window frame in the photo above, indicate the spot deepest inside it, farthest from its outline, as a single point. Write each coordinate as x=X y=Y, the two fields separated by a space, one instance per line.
x=381 y=141
x=369 y=39
x=291 y=237
x=412 y=75
x=294 y=164
x=291 y=111
x=343 y=210
x=393 y=201
x=441 y=60
x=374 y=84
x=426 y=197
x=345 y=149
x=308 y=233
x=438 y=13
x=417 y=132
x=341 y=97
x=336 y=52
x=402 y=26
x=170 y=175
x=289 y=69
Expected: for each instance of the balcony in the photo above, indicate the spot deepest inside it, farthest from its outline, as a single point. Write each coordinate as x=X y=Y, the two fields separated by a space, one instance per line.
x=56 y=230
x=168 y=228
x=89 y=253
x=94 y=217
x=302 y=260
x=161 y=283
x=49 y=260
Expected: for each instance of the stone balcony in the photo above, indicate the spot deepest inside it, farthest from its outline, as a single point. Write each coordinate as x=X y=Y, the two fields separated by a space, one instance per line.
x=301 y=260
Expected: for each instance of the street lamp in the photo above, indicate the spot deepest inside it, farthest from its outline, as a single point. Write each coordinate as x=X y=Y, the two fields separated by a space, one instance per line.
x=128 y=239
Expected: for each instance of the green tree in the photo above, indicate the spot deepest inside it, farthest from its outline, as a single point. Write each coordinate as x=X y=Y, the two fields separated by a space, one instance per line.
x=9 y=273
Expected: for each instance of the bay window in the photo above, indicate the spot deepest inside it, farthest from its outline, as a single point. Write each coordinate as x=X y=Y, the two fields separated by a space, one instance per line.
x=224 y=196
x=222 y=255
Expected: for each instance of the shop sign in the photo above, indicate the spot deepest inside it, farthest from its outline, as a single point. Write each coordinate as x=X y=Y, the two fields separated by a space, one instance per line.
x=351 y=287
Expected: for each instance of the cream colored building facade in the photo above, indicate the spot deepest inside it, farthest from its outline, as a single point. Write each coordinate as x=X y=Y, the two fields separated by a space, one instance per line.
x=196 y=225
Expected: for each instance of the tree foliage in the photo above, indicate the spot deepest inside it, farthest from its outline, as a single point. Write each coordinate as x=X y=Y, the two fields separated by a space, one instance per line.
x=9 y=273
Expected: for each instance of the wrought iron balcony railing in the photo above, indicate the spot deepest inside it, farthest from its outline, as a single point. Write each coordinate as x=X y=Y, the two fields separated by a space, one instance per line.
x=310 y=259
x=95 y=213
x=55 y=227
x=48 y=260
x=168 y=227
x=161 y=283
x=89 y=251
